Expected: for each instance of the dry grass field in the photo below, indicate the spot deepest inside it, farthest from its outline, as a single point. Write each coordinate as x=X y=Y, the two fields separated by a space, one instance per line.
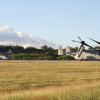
x=49 y=80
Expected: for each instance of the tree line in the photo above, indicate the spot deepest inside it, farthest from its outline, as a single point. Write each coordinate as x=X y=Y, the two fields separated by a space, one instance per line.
x=32 y=53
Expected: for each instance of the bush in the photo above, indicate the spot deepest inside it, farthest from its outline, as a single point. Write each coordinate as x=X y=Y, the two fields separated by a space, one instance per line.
x=31 y=57
x=39 y=57
x=65 y=57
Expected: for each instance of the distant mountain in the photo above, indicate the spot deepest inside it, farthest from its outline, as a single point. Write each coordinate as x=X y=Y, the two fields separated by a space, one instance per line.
x=9 y=37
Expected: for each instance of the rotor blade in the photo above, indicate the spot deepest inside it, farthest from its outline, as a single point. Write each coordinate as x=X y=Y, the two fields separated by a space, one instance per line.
x=88 y=45
x=76 y=41
x=79 y=38
x=94 y=40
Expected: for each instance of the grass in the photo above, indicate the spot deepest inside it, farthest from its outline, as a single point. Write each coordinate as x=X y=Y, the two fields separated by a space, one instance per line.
x=49 y=80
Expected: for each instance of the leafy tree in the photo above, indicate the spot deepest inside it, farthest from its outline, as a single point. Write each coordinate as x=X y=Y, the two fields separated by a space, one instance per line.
x=73 y=49
x=30 y=50
x=17 y=49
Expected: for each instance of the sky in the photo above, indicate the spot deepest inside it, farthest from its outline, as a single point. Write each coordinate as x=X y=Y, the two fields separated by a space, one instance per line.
x=57 y=21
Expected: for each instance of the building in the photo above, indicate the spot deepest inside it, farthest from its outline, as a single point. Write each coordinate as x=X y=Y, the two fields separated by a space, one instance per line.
x=60 y=50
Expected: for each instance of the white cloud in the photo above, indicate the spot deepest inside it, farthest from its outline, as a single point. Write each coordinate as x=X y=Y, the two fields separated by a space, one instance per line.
x=9 y=37
x=6 y=29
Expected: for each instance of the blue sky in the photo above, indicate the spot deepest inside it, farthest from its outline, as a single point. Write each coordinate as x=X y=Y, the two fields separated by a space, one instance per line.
x=58 y=21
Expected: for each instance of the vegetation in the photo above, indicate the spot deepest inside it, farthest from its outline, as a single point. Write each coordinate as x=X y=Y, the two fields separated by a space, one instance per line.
x=31 y=53
x=49 y=80
x=40 y=57
x=31 y=57
x=65 y=57
x=28 y=50
x=73 y=49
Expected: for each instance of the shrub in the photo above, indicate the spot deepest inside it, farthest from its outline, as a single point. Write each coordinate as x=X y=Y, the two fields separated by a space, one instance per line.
x=31 y=57
x=65 y=57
